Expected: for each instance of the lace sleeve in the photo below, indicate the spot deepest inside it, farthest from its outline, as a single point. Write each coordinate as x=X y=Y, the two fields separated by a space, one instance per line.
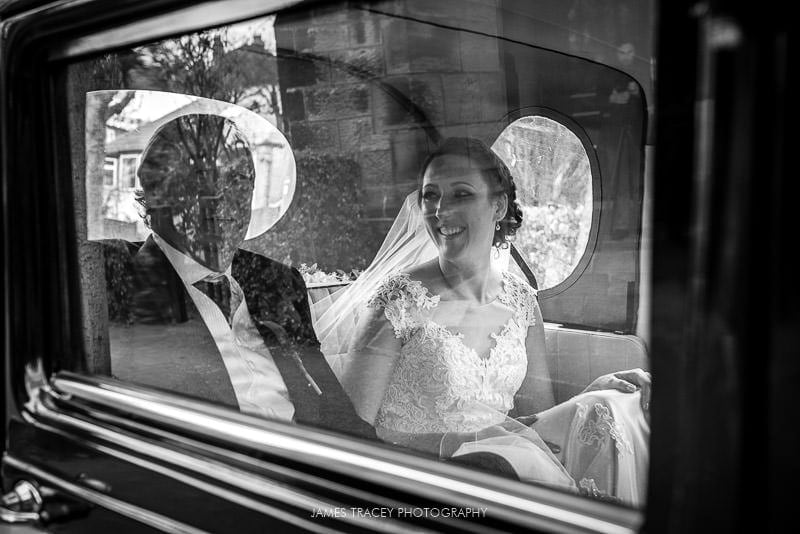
x=521 y=296
x=533 y=305
x=402 y=301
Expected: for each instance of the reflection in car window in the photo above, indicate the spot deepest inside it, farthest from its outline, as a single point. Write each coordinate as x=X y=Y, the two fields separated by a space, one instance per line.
x=555 y=190
x=317 y=231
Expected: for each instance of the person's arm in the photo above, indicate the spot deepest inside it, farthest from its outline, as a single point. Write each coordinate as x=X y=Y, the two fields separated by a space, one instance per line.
x=536 y=393
x=370 y=363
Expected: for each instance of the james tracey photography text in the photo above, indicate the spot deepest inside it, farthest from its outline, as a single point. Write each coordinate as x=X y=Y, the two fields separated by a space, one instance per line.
x=387 y=512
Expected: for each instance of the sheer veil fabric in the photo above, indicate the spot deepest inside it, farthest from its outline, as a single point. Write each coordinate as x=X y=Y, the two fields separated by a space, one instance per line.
x=406 y=244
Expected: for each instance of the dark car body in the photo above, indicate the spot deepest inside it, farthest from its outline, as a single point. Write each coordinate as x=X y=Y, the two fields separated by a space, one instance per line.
x=108 y=455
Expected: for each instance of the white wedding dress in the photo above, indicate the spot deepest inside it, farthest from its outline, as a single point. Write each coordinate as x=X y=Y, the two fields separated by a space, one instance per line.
x=441 y=385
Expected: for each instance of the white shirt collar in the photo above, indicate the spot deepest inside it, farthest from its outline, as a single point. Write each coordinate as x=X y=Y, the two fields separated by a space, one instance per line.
x=188 y=269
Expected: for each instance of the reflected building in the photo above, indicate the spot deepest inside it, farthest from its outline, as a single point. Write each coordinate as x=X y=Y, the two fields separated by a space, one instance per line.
x=122 y=217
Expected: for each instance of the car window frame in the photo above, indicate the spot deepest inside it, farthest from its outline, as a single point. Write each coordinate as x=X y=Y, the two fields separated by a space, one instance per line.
x=596 y=184
x=44 y=395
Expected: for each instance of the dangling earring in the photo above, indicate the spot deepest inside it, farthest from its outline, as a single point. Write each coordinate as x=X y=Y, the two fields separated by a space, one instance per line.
x=497 y=227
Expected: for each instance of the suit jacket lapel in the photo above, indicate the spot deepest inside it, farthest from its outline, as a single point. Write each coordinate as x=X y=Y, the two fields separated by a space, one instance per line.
x=265 y=281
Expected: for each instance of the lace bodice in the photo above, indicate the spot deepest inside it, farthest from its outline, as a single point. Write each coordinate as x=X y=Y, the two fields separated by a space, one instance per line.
x=439 y=383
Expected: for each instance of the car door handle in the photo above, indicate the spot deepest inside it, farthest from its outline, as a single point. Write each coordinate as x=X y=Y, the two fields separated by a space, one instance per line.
x=29 y=502
x=22 y=504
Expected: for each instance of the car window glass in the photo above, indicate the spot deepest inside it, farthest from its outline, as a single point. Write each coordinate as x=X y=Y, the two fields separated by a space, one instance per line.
x=269 y=212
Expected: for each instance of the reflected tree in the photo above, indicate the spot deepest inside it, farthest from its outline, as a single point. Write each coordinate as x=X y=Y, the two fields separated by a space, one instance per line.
x=197 y=178
x=108 y=71
x=211 y=65
x=324 y=225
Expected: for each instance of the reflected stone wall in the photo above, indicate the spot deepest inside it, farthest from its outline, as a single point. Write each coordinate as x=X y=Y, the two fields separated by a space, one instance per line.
x=382 y=88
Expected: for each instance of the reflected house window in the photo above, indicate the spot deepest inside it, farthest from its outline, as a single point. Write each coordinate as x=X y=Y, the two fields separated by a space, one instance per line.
x=110 y=172
x=554 y=181
x=114 y=211
x=127 y=174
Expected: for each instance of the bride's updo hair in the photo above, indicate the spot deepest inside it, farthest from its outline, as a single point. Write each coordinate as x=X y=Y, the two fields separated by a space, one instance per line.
x=494 y=171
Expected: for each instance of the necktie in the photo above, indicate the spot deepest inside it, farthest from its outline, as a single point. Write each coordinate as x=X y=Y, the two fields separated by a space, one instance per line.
x=217 y=287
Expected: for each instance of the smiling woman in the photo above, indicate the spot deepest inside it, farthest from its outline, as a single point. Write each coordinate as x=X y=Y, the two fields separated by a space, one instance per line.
x=455 y=200
x=446 y=348
x=457 y=180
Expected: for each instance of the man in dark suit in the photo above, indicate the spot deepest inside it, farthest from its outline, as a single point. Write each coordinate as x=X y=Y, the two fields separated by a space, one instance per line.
x=197 y=177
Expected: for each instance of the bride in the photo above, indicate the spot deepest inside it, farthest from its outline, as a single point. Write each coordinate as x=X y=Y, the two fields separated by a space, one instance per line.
x=438 y=344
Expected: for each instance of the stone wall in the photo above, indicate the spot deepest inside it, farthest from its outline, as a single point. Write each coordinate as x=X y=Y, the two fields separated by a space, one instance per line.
x=383 y=87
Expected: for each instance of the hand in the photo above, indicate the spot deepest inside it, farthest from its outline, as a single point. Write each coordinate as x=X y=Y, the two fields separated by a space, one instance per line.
x=626 y=381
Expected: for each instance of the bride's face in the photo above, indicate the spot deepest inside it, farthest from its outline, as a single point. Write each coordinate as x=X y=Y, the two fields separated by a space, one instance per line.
x=459 y=208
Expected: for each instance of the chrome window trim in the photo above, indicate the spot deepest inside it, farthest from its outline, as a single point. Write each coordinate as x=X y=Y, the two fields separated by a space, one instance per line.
x=202 y=448
x=189 y=19
x=209 y=468
x=535 y=506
